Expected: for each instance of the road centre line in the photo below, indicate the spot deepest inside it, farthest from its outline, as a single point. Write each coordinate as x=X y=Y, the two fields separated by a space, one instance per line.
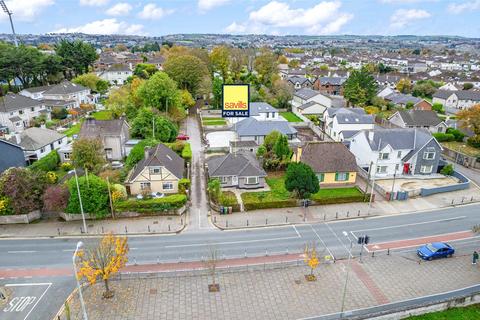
x=28 y=284
x=410 y=224
x=229 y=242
x=22 y=251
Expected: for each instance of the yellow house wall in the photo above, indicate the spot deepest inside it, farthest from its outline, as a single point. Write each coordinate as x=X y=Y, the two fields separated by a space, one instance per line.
x=156 y=182
x=329 y=178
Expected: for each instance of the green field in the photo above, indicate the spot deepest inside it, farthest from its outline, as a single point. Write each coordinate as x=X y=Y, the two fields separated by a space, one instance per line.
x=103 y=115
x=466 y=313
x=290 y=117
x=211 y=121
x=75 y=129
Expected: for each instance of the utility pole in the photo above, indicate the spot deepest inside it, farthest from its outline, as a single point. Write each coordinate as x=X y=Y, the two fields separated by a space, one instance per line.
x=393 y=184
x=81 y=203
x=5 y=9
x=347 y=276
x=153 y=127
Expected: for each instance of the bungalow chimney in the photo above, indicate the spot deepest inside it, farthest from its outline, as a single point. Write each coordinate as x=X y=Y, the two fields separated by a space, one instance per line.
x=147 y=149
x=298 y=156
x=370 y=135
x=18 y=137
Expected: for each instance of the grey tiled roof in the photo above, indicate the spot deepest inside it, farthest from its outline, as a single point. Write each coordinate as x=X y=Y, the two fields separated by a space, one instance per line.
x=306 y=93
x=92 y=128
x=14 y=102
x=239 y=164
x=37 y=89
x=468 y=95
x=353 y=118
x=336 y=81
x=419 y=117
x=118 y=67
x=443 y=94
x=35 y=138
x=298 y=79
x=160 y=156
x=347 y=134
x=306 y=105
x=247 y=143
x=253 y=127
x=328 y=157
x=400 y=98
x=259 y=107
x=65 y=87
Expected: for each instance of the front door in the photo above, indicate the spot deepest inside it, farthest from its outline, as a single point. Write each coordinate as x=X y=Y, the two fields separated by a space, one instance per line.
x=406 y=168
x=234 y=180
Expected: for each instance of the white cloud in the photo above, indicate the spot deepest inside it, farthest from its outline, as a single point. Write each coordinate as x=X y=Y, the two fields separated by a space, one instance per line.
x=458 y=8
x=323 y=18
x=205 y=5
x=405 y=1
x=26 y=10
x=105 y=26
x=120 y=9
x=93 y=3
x=403 y=17
x=152 y=12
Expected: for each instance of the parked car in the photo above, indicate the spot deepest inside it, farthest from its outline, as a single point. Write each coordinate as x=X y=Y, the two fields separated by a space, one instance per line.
x=154 y=195
x=435 y=250
x=182 y=136
x=116 y=165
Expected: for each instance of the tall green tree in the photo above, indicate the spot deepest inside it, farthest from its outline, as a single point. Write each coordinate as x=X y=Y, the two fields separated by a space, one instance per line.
x=266 y=65
x=159 y=92
x=77 y=56
x=149 y=124
x=281 y=148
x=188 y=71
x=220 y=58
x=145 y=70
x=88 y=154
x=92 y=81
x=301 y=179
x=360 y=88
x=217 y=92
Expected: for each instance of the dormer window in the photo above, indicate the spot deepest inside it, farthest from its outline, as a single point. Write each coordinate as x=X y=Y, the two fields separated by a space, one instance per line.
x=155 y=170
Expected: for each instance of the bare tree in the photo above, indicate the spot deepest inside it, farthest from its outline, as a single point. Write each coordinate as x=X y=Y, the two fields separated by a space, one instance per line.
x=211 y=263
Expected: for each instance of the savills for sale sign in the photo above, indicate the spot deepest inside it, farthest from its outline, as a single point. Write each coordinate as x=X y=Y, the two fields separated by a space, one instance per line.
x=235 y=100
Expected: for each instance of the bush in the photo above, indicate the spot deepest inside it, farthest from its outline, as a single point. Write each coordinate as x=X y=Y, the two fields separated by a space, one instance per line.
x=5 y=206
x=138 y=152
x=55 y=198
x=94 y=194
x=51 y=177
x=253 y=204
x=48 y=163
x=459 y=136
x=213 y=189
x=447 y=170
x=444 y=137
x=156 y=205
x=66 y=166
x=183 y=185
x=187 y=152
x=59 y=113
x=474 y=141
x=113 y=176
x=229 y=199
x=438 y=107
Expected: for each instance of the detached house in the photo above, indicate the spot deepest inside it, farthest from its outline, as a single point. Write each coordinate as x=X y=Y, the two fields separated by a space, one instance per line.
x=330 y=85
x=68 y=91
x=251 y=129
x=418 y=119
x=305 y=95
x=403 y=100
x=342 y=123
x=17 y=111
x=241 y=170
x=261 y=111
x=159 y=171
x=116 y=74
x=298 y=82
x=332 y=162
x=400 y=152
x=460 y=99
x=113 y=134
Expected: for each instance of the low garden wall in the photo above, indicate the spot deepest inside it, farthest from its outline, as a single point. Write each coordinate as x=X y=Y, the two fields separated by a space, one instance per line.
x=123 y=214
x=463 y=184
x=20 y=218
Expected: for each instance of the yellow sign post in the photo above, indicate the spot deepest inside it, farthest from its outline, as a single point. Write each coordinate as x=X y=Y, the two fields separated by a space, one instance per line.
x=235 y=100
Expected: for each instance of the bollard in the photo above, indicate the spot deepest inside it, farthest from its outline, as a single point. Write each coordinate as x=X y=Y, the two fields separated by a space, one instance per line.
x=226 y=223
x=168 y=227
x=134 y=261
x=58 y=229
x=214 y=219
x=148 y=228
x=245 y=254
x=266 y=220
x=286 y=251
x=373 y=254
x=452 y=202
x=286 y=219
x=102 y=230
x=266 y=252
x=348 y=213
x=247 y=222
x=463 y=198
x=388 y=251
x=358 y=213
x=336 y=215
x=126 y=231
x=324 y=216
x=158 y=260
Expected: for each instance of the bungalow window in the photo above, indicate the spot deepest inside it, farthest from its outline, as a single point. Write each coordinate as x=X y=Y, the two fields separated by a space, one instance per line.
x=341 y=176
x=42 y=150
x=426 y=169
x=167 y=186
x=429 y=155
x=382 y=169
x=67 y=155
x=252 y=180
x=145 y=185
x=399 y=154
x=383 y=155
x=32 y=108
x=223 y=179
x=321 y=177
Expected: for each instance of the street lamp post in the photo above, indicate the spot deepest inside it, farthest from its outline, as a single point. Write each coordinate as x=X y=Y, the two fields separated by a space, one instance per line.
x=81 y=203
x=5 y=9
x=82 y=303
x=348 y=273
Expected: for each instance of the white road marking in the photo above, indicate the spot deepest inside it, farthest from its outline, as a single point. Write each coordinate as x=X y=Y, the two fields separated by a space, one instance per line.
x=339 y=240
x=22 y=251
x=295 y=228
x=410 y=224
x=321 y=240
x=48 y=284
x=230 y=242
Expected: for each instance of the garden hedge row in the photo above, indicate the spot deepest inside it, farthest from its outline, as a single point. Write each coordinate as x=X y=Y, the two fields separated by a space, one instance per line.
x=249 y=205
x=343 y=199
x=157 y=205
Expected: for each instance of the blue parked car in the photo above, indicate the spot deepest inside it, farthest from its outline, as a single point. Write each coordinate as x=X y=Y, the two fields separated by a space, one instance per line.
x=435 y=250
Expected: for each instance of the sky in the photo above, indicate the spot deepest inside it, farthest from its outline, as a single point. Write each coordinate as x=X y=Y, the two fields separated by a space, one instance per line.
x=277 y=17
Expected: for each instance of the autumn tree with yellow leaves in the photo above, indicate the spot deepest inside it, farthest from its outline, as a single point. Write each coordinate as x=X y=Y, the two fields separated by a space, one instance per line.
x=103 y=260
x=311 y=260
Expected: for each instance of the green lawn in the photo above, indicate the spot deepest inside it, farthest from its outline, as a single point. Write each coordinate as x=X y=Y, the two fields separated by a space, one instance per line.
x=210 y=121
x=463 y=148
x=466 y=313
x=75 y=129
x=291 y=117
x=103 y=115
x=332 y=193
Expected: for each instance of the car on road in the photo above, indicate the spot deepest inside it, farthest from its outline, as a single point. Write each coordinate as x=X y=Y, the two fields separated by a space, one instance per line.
x=182 y=136
x=435 y=250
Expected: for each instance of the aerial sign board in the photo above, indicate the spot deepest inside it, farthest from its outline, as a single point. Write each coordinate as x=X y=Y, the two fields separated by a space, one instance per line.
x=235 y=100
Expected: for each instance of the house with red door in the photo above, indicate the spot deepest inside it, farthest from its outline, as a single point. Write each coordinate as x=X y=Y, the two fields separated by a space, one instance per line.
x=400 y=152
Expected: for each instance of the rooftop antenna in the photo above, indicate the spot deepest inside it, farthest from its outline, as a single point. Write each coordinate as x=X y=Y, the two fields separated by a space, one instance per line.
x=5 y=9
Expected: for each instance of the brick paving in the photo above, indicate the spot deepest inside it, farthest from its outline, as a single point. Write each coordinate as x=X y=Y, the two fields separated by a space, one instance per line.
x=279 y=293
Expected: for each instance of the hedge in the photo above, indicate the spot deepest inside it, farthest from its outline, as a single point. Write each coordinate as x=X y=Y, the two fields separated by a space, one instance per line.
x=187 y=152
x=248 y=204
x=229 y=199
x=48 y=163
x=444 y=137
x=154 y=205
x=344 y=199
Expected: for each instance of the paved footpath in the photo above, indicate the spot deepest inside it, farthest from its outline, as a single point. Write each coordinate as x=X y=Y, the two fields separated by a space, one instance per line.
x=277 y=293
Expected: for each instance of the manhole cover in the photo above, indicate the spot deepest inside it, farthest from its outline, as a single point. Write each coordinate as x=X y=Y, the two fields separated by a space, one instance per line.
x=153 y=291
x=155 y=222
